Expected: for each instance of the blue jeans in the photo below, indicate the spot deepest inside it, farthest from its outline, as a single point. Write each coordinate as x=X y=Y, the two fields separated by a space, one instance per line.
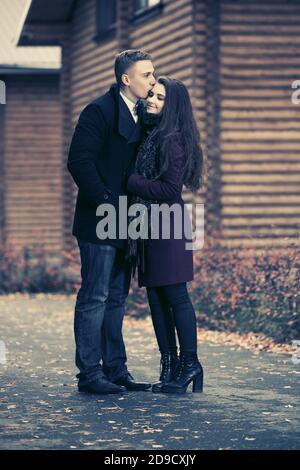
x=99 y=312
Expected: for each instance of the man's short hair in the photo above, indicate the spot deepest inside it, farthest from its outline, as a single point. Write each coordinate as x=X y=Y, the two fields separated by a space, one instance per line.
x=126 y=59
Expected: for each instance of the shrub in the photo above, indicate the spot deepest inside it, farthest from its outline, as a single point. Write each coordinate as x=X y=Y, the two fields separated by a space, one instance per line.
x=33 y=270
x=240 y=290
x=233 y=289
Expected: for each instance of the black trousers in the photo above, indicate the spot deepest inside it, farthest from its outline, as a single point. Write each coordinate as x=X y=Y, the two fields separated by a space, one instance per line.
x=172 y=310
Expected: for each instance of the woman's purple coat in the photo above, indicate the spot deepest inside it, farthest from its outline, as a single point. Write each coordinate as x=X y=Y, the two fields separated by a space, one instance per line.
x=167 y=261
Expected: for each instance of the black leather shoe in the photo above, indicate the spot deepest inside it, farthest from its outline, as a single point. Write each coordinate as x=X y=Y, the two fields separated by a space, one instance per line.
x=190 y=370
x=100 y=386
x=169 y=363
x=128 y=382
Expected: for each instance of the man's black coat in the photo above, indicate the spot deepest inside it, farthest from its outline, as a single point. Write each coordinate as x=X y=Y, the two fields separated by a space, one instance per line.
x=103 y=148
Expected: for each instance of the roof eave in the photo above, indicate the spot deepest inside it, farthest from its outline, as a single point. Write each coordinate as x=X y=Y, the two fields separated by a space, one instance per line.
x=22 y=70
x=44 y=22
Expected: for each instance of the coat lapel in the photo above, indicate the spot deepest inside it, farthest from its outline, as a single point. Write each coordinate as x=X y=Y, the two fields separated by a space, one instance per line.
x=136 y=133
x=127 y=127
x=126 y=124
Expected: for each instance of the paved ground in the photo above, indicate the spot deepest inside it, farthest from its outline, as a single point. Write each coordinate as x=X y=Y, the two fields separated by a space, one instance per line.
x=250 y=401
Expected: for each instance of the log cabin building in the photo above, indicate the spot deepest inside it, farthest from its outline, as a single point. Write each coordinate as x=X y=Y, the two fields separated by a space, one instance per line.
x=238 y=59
x=30 y=150
x=30 y=139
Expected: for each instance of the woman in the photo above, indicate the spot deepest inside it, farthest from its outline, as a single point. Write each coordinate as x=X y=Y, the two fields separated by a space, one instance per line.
x=169 y=157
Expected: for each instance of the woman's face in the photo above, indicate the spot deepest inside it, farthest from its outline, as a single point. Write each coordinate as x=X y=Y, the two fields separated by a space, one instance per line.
x=156 y=99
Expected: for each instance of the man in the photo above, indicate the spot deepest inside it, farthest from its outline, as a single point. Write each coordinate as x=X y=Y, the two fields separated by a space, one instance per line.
x=103 y=148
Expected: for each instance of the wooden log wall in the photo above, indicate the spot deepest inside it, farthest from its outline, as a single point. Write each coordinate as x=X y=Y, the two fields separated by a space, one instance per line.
x=32 y=163
x=238 y=60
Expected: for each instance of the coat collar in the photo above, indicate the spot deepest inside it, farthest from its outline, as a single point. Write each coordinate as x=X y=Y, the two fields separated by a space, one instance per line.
x=125 y=124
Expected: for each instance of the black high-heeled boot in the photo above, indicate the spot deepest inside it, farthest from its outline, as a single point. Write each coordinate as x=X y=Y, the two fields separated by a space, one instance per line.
x=190 y=370
x=169 y=363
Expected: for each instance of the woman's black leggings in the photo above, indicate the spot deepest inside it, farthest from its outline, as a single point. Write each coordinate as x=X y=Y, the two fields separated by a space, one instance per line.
x=171 y=307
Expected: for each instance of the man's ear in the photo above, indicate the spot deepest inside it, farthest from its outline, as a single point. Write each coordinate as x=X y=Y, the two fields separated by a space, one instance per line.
x=125 y=79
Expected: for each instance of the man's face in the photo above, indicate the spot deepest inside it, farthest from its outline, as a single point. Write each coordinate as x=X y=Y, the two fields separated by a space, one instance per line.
x=140 y=79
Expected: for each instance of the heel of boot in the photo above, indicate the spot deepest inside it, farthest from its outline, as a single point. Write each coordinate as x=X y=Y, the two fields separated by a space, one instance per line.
x=198 y=383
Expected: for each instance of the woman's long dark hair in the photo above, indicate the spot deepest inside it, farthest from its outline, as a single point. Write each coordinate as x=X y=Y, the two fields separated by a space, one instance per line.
x=178 y=132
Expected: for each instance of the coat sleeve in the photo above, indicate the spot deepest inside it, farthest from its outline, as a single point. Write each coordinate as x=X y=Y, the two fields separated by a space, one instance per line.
x=86 y=145
x=167 y=188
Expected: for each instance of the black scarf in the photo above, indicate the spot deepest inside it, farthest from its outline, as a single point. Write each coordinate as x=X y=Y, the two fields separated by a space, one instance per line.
x=147 y=164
